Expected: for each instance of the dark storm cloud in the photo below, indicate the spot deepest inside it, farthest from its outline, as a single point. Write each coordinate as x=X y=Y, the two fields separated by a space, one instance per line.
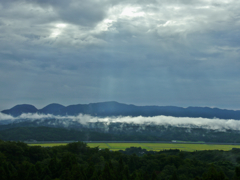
x=145 y=52
x=85 y=13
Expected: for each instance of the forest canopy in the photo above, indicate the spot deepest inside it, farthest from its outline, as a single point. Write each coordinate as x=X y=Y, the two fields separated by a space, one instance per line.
x=78 y=161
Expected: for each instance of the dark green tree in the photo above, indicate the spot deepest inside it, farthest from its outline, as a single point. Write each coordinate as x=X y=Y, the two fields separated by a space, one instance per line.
x=32 y=174
x=107 y=173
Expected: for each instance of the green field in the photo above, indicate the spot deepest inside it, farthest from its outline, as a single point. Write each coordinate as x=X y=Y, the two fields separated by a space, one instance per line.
x=151 y=146
x=48 y=144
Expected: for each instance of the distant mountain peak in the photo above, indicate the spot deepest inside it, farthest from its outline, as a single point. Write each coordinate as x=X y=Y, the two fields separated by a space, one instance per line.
x=52 y=108
x=53 y=105
x=24 y=105
x=20 y=109
x=113 y=108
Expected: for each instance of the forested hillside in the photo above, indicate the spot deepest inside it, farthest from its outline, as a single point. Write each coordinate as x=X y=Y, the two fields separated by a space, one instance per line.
x=18 y=161
x=156 y=133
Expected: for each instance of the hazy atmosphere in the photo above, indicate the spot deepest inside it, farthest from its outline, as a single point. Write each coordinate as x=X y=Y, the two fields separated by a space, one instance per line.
x=155 y=52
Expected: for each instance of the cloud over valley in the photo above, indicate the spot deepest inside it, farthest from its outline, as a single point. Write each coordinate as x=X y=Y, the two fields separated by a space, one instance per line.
x=85 y=120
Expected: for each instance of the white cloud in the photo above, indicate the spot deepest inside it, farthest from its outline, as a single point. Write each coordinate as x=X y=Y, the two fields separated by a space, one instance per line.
x=215 y=124
x=5 y=117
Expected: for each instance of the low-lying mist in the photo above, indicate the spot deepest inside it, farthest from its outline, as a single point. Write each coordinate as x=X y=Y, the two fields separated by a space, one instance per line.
x=187 y=122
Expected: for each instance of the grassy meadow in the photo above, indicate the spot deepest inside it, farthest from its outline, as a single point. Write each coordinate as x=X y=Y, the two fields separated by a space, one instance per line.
x=151 y=146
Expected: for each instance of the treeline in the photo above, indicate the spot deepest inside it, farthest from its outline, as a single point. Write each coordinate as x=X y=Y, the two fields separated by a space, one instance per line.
x=77 y=161
x=149 y=134
x=63 y=134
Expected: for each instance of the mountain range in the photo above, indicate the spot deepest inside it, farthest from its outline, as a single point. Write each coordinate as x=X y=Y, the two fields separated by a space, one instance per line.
x=39 y=125
x=113 y=108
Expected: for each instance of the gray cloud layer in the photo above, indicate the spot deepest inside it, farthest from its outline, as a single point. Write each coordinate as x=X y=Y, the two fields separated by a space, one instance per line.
x=183 y=53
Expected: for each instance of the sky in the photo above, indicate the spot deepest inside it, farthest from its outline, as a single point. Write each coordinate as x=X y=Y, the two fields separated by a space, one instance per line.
x=143 y=52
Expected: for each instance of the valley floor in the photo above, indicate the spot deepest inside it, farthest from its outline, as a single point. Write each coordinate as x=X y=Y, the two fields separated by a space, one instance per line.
x=115 y=146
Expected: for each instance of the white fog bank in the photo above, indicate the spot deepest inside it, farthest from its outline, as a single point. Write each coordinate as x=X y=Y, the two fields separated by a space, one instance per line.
x=215 y=124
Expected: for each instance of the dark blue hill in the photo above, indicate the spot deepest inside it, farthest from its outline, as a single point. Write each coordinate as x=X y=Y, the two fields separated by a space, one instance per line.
x=20 y=109
x=113 y=108
x=53 y=108
x=100 y=109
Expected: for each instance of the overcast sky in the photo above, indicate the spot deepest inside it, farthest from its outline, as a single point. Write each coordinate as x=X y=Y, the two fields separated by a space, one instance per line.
x=143 y=52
